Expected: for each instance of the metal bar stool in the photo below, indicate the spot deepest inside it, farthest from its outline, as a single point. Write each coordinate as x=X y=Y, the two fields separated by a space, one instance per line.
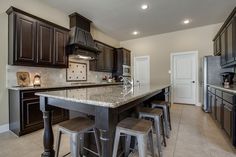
x=157 y=116
x=141 y=129
x=76 y=128
x=165 y=106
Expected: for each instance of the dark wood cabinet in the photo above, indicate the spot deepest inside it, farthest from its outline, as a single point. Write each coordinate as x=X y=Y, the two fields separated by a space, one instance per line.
x=223 y=48
x=217 y=46
x=122 y=57
x=45 y=44
x=35 y=42
x=60 y=42
x=213 y=106
x=105 y=58
x=223 y=110
x=25 y=115
x=25 y=39
x=225 y=41
x=228 y=118
x=218 y=107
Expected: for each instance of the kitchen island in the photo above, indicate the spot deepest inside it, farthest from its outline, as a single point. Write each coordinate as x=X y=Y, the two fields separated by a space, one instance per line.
x=107 y=105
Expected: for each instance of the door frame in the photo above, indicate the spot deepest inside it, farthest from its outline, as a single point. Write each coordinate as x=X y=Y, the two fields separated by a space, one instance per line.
x=195 y=53
x=148 y=60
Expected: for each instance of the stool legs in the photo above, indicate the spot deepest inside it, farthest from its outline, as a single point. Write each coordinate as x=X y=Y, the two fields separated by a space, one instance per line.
x=116 y=143
x=142 y=145
x=157 y=123
x=127 y=145
x=163 y=131
x=168 y=109
x=97 y=141
x=166 y=119
x=58 y=143
x=75 y=145
x=150 y=135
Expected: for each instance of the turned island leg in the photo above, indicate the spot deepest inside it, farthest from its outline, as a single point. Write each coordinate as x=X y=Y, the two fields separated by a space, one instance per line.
x=48 y=138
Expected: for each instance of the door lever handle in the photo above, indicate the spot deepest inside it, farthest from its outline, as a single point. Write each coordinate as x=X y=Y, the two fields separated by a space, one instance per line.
x=193 y=81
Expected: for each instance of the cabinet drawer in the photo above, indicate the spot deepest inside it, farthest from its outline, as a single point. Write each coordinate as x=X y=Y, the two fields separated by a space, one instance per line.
x=219 y=93
x=28 y=95
x=228 y=97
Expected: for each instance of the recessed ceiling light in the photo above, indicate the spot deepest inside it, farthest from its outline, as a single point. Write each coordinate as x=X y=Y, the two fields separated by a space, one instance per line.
x=144 y=6
x=135 y=33
x=187 y=21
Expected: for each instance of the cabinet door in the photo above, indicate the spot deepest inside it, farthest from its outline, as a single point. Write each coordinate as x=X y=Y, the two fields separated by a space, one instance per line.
x=25 y=40
x=32 y=116
x=228 y=118
x=213 y=106
x=60 y=42
x=209 y=101
x=223 y=48
x=229 y=41
x=219 y=110
x=126 y=57
x=45 y=44
x=109 y=58
x=217 y=46
x=100 y=58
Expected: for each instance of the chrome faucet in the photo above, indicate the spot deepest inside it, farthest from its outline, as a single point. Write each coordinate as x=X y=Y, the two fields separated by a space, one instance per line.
x=126 y=81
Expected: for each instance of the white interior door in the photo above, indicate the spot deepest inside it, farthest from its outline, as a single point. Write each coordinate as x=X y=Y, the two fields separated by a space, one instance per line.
x=184 y=67
x=142 y=69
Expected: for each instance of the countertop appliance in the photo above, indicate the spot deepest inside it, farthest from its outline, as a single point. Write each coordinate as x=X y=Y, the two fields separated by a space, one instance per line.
x=211 y=73
x=228 y=77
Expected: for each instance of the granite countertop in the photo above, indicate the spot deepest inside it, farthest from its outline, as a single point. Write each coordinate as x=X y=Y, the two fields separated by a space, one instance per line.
x=72 y=85
x=106 y=96
x=232 y=88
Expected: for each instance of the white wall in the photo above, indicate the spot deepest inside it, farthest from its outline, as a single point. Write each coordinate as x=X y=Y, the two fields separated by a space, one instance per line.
x=159 y=48
x=40 y=9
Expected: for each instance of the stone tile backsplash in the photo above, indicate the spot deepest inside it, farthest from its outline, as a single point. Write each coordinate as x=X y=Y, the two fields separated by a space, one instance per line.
x=50 y=76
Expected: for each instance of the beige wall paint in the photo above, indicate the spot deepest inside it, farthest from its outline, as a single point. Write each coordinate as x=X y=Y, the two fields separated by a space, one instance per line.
x=159 y=48
x=40 y=9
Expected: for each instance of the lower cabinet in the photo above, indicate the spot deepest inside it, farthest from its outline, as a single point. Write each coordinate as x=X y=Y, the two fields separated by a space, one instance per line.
x=213 y=106
x=223 y=110
x=228 y=118
x=218 y=106
x=25 y=114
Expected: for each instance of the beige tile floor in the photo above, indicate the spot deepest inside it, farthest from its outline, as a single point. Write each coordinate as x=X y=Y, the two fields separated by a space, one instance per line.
x=194 y=134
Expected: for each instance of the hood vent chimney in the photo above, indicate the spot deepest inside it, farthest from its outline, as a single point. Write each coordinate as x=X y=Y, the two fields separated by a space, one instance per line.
x=81 y=43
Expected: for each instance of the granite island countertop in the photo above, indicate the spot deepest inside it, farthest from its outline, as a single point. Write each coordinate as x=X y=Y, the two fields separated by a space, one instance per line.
x=72 y=85
x=105 y=96
x=231 y=89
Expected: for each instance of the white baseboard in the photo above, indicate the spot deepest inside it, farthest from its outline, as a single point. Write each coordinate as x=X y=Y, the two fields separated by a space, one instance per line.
x=199 y=104
x=4 y=128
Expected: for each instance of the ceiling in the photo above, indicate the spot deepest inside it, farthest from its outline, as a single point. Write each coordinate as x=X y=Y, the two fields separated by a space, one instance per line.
x=119 y=18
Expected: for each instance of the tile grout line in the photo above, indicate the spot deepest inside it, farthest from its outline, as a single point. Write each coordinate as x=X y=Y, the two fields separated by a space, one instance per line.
x=180 y=119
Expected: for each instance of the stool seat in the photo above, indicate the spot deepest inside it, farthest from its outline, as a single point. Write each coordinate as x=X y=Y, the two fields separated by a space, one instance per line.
x=139 y=126
x=79 y=124
x=141 y=129
x=151 y=111
x=161 y=102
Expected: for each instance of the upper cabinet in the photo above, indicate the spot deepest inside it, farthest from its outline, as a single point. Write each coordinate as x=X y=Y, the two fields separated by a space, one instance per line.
x=122 y=57
x=35 y=42
x=105 y=59
x=225 y=41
